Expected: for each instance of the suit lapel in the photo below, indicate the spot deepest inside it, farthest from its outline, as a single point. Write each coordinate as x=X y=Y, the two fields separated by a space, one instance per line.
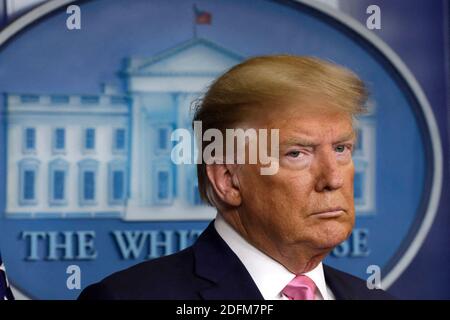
x=340 y=289
x=229 y=279
x=216 y=262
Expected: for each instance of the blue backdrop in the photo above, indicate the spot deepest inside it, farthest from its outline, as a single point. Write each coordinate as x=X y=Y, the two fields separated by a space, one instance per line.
x=46 y=58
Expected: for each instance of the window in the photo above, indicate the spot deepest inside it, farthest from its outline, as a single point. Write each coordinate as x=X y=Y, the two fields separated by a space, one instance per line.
x=89 y=139
x=59 y=140
x=28 y=170
x=192 y=187
x=119 y=100
x=28 y=189
x=88 y=185
x=163 y=138
x=90 y=99
x=58 y=182
x=359 y=187
x=29 y=98
x=117 y=182
x=197 y=199
x=163 y=187
x=359 y=140
x=58 y=173
x=59 y=99
x=119 y=140
x=88 y=181
x=364 y=162
x=29 y=140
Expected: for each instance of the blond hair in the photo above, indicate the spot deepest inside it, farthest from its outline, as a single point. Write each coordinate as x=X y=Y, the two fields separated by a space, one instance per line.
x=267 y=81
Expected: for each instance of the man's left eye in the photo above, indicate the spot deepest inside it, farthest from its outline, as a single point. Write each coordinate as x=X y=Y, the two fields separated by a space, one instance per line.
x=340 y=149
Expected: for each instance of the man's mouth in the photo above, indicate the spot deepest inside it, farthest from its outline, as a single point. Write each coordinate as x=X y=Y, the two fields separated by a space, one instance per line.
x=327 y=213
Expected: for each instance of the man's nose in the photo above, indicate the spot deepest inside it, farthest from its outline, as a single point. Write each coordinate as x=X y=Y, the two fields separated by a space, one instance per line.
x=328 y=172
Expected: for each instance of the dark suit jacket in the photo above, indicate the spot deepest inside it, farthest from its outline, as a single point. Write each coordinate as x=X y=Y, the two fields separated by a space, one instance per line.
x=207 y=270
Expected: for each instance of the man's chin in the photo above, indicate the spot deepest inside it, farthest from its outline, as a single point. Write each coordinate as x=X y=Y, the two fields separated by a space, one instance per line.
x=329 y=239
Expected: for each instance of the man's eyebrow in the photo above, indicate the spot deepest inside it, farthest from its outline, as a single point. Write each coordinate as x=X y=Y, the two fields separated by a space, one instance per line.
x=305 y=142
x=349 y=136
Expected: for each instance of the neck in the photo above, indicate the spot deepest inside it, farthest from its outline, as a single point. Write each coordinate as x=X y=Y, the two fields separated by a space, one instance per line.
x=299 y=258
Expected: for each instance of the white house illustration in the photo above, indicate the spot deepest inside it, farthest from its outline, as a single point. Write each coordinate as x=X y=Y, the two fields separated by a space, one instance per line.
x=108 y=155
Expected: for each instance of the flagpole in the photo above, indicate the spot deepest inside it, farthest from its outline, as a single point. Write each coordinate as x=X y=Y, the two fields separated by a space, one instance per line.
x=194 y=21
x=5 y=14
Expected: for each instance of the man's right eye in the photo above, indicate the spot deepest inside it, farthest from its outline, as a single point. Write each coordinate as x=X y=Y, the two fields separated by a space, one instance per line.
x=293 y=154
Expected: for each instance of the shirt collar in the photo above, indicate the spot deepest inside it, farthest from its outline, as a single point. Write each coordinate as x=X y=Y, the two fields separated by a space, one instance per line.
x=268 y=274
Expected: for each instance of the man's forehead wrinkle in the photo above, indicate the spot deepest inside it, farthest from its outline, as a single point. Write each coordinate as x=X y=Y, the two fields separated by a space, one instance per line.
x=303 y=138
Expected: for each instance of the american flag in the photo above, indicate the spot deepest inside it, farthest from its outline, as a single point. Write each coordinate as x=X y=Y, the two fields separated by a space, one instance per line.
x=5 y=290
x=201 y=16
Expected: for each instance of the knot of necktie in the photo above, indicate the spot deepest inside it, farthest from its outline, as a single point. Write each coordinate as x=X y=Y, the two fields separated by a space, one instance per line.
x=300 y=288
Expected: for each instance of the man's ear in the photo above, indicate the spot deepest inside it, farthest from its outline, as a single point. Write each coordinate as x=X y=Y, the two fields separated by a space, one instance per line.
x=225 y=183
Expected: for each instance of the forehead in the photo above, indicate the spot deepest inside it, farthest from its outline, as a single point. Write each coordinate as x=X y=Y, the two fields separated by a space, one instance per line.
x=313 y=124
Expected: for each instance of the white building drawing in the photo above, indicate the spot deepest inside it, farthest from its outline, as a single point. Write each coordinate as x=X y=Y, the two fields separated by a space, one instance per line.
x=108 y=155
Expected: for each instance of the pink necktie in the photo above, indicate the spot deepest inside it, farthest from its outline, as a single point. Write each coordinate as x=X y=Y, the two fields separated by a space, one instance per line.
x=300 y=288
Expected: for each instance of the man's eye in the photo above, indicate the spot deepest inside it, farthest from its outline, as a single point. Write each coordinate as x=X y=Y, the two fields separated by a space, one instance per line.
x=340 y=149
x=294 y=154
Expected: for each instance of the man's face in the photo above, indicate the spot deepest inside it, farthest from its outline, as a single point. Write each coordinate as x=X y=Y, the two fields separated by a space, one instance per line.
x=309 y=201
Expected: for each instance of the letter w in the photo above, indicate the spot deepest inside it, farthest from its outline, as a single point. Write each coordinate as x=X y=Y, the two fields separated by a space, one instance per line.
x=130 y=243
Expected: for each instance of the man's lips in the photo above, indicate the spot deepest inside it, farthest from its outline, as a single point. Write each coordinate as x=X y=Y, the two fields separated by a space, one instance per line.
x=329 y=213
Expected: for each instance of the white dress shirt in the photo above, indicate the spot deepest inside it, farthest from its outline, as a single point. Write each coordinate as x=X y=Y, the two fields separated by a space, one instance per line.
x=269 y=275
